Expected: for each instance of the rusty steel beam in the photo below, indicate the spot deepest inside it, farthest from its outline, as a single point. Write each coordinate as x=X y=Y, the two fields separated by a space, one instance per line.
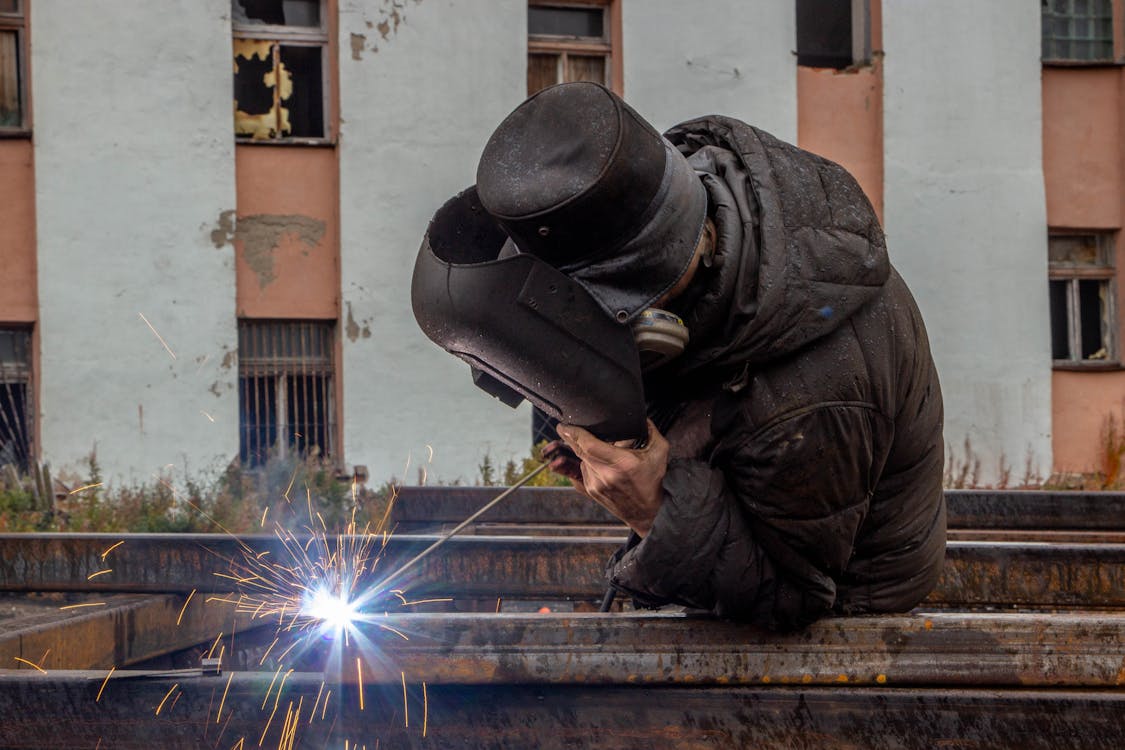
x=976 y=573
x=182 y=710
x=427 y=508
x=114 y=630
x=1080 y=650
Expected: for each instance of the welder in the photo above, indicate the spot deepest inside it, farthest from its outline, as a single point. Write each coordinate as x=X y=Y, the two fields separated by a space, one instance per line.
x=741 y=375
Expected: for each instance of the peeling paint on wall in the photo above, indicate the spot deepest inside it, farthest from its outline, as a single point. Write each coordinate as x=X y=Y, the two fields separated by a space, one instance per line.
x=391 y=15
x=260 y=235
x=358 y=41
x=353 y=330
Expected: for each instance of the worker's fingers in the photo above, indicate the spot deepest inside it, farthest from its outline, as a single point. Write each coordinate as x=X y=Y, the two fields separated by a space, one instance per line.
x=588 y=447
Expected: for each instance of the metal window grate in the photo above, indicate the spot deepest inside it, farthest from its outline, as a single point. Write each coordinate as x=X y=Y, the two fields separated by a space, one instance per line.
x=15 y=398
x=1077 y=30
x=286 y=398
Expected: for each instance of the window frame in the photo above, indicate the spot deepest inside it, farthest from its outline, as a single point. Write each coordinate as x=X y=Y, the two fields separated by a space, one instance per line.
x=1105 y=270
x=295 y=36
x=17 y=22
x=1117 y=24
x=608 y=47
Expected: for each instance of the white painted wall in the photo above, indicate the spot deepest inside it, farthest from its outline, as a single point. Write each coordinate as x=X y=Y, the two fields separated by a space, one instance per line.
x=726 y=57
x=134 y=161
x=416 y=114
x=966 y=218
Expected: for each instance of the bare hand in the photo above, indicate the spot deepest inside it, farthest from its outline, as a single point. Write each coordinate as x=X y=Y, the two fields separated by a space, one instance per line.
x=626 y=481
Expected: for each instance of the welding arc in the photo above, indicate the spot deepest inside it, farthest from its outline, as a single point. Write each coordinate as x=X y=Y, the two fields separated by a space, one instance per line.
x=450 y=534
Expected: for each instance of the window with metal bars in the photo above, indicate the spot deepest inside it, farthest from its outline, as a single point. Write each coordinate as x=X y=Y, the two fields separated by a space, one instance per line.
x=15 y=398
x=568 y=42
x=1083 y=311
x=280 y=64
x=13 y=67
x=286 y=400
x=1077 y=31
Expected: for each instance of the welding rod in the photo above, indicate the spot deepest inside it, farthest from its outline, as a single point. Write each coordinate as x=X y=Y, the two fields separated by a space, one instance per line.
x=456 y=530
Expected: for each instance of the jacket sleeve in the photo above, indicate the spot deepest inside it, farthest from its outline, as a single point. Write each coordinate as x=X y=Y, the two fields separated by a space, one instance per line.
x=760 y=532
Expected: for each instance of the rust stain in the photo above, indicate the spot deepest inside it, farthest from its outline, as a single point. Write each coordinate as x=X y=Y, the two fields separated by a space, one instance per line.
x=353 y=330
x=260 y=235
x=358 y=42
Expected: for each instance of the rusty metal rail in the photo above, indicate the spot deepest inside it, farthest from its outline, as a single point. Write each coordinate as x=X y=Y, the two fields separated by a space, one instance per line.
x=977 y=574
x=634 y=681
x=64 y=713
x=427 y=508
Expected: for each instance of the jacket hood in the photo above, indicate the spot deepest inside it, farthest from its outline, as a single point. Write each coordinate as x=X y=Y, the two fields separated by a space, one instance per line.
x=799 y=249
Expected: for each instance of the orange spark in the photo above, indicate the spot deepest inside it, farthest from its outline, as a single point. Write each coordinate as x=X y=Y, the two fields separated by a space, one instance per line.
x=206 y=415
x=359 y=677
x=223 y=701
x=100 y=572
x=104 y=682
x=184 y=608
x=89 y=604
x=31 y=664
x=111 y=548
x=425 y=709
x=85 y=487
x=166 y=696
x=405 y=705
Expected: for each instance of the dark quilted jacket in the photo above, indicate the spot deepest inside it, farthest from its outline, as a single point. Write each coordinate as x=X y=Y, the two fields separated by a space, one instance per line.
x=806 y=416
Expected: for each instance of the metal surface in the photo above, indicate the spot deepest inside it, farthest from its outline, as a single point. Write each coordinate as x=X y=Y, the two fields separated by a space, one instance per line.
x=426 y=507
x=999 y=574
x=994 y=650
x=113 y=630
x=68 y=714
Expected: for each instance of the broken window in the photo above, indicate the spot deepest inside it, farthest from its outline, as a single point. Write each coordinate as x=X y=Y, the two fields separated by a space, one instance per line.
x=833 y=33
x=286 y=401
x=12 y=66
x=1082 y=290
x=280 y=49
x=15 y=398
x=1077 y=30
x=568 y=42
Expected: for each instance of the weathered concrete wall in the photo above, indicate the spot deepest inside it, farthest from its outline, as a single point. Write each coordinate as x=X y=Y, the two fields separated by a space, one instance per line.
x=134 y=160
x=965 y=215
x=727 y=57
x=422 y=86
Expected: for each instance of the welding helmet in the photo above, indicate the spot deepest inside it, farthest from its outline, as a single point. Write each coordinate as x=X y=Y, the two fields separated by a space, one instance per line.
x=582 y=217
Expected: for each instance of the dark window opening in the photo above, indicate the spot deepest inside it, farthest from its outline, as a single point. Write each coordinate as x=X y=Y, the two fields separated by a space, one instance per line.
x=276 y=12
x=286 y=400
x=575 y=22
x=1082 y=299
x=1077 y=30
x=278 y=90
x=15 y=399
x=833 y=33
x=542 y=427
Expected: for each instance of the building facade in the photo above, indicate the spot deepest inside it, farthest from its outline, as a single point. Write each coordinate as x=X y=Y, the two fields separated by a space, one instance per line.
x=189 y=278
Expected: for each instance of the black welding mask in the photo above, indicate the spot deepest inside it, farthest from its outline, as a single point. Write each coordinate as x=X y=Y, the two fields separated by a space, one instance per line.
x=544 y=275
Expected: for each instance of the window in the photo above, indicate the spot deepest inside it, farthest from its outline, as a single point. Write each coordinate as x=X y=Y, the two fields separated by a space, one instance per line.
x=833 y=33
x=1083 y=313
x=13 y=67
x=569 y=42
x=280 y=60
x=285 y=392
x=15 y=398
x=1077 y=30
